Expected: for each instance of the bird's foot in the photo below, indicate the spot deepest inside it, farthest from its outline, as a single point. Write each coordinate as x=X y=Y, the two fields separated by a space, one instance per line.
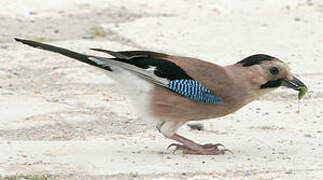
x=206 y=149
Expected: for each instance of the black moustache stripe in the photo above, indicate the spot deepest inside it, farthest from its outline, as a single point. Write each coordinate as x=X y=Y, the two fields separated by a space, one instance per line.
x=271 y=84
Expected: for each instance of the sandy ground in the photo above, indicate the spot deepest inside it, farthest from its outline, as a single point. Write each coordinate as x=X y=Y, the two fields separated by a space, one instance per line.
x=66 y=120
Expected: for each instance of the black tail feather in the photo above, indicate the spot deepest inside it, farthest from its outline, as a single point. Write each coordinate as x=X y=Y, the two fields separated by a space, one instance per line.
x=72 y=54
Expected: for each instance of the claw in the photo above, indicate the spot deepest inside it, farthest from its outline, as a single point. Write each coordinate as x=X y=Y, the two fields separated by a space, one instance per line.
x=190 y=147
x=177 y=147
x=213 y=152
x=227 y=150
x=213 y=146
x=171 y=145
x=206 y=149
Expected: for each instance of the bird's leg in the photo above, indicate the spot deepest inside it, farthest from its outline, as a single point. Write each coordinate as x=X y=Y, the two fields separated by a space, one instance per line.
x=190 y=147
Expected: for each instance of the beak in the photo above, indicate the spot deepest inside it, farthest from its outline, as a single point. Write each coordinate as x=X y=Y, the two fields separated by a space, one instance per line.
x=295 y=83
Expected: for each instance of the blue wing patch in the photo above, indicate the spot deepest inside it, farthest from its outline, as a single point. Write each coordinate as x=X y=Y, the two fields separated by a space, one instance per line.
x=194 y=90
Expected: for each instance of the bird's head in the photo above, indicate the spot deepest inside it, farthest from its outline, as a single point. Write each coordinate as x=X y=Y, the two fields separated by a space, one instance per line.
x=267 y=73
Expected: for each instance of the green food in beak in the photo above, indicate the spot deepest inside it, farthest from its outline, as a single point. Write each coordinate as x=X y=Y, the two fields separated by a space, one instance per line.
x=297 y=85
x=302 y=92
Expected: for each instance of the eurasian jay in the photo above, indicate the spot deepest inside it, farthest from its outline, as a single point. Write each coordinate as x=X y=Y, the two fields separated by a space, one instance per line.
x=172 y=90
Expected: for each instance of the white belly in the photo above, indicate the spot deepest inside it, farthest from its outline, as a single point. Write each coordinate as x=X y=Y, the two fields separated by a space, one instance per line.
x=137 y=89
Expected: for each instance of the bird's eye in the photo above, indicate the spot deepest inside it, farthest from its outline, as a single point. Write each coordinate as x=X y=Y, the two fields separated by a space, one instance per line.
x=274 y=70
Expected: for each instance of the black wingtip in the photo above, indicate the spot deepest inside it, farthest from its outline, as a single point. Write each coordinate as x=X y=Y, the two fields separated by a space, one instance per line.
x=112 y=53
x=101 y=50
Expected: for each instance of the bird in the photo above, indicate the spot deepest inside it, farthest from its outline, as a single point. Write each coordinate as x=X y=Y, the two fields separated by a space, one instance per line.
x=172 y=90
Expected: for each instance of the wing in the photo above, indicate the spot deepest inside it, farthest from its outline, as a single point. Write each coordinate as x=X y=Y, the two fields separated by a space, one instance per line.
x=130 y=54
x=156 y=68
x=151 y=66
